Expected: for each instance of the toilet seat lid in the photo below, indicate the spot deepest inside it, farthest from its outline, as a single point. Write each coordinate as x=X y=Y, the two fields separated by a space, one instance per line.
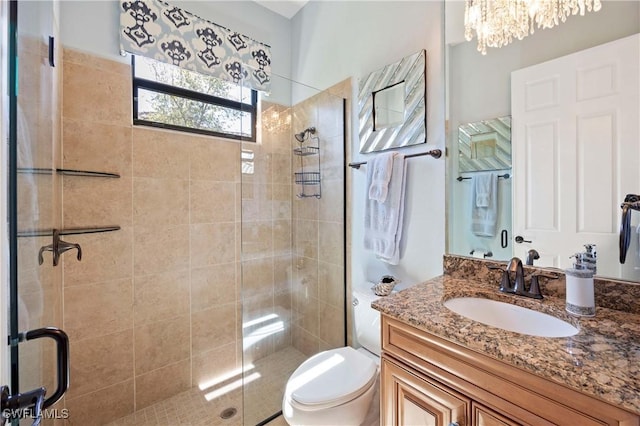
x=332 y=377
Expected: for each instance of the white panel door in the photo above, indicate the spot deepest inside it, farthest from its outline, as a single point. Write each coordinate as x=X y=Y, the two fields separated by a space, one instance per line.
x=575 y=137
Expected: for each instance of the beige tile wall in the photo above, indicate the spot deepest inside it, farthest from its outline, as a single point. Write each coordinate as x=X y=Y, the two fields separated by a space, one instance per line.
x=152 y=309
x=318 y=228
x=266 y=238
x=155 y=308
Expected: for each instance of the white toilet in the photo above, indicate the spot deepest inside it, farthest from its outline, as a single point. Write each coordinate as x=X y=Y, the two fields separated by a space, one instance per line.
x=335 y=387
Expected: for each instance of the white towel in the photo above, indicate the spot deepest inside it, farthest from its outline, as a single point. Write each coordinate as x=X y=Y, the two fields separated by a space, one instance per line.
x=484 y=205
x=638 y=240
x=483 y=184
x=383 y=221
x=380 y=168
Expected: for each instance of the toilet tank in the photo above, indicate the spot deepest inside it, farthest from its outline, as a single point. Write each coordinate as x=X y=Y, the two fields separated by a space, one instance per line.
x=366 y=319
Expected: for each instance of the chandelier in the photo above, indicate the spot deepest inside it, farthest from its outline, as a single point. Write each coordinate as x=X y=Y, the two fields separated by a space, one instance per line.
x=497 y=22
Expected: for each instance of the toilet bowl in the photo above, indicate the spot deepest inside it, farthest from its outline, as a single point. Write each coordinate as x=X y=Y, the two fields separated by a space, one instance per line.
x=336 y=387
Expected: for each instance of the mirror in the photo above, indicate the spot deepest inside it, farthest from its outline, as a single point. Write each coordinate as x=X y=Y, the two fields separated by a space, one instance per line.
x=479 y=89
x=388 y=107
x=391 y=105
x=485 y=145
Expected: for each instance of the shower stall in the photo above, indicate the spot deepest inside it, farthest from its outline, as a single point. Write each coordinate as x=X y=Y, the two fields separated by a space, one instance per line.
x=192 y=273
x=292 y=237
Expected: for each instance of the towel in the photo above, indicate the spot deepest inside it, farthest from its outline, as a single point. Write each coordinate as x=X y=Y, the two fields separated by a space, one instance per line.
x=484 y=188
x=484 y=205
x=380 y=167
x=638 y=241
x=383 y=220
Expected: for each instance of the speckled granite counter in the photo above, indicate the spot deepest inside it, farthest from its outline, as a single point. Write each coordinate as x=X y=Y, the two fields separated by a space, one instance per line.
x=602 y=360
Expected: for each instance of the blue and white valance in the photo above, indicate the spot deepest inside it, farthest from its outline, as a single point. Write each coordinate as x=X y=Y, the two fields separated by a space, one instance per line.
x=166 y=33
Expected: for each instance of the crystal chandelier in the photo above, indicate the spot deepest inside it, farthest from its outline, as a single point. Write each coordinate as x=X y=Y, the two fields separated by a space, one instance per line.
x=498 y=22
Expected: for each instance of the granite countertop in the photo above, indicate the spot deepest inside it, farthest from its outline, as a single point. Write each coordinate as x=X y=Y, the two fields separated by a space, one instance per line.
x=602 y=360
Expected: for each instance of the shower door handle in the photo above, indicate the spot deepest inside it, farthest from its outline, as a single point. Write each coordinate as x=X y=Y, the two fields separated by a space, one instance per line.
x=62 y=350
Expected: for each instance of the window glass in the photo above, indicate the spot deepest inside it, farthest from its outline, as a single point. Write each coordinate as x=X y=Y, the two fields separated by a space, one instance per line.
x=172 y=97
x=174 y=110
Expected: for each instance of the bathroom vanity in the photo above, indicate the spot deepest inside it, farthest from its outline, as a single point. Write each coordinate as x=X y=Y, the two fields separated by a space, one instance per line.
x=440 y=368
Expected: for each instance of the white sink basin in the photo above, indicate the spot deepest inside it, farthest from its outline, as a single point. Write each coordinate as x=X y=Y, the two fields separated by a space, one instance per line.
x=510 y=317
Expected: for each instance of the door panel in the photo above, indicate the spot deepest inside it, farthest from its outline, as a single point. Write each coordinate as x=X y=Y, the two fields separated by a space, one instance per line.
x=412 y=400
x=575 y=151
x=483 y=416
x=34 y=210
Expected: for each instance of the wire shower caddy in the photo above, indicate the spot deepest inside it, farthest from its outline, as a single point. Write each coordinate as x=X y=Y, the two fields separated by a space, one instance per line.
x=308 y=174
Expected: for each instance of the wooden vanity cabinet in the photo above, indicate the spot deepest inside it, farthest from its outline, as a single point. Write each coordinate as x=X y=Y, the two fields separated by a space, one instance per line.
x=483 y=416
x=416 y=400
x=429 y=381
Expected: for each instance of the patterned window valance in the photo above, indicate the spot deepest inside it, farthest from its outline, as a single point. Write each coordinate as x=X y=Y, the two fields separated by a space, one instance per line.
x=157 y=30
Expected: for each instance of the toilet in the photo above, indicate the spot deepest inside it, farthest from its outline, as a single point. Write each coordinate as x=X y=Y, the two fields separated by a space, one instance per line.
x=335 y=387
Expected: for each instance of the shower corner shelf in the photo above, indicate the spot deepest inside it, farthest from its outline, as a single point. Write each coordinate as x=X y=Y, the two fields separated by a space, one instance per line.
x=66 y=172
x=88 y=173
x=67 y=231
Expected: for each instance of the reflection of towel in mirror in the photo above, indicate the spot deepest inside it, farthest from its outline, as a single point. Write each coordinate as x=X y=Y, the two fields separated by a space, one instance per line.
x=638 y=241
x=484 y=205
x=483 y=184
x=379 y=175
x=383 y=220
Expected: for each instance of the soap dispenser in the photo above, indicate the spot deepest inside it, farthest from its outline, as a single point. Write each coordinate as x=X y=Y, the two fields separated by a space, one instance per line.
x=580 y=291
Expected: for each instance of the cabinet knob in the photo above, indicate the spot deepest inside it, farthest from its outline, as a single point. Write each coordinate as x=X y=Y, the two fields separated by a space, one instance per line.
x=454 y=424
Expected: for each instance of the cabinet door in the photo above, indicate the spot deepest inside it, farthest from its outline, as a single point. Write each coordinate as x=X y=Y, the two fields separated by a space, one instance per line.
x=483 y=416
x=411 y=399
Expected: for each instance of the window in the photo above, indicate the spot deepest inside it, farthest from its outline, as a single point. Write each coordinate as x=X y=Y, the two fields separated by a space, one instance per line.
x=174 y=98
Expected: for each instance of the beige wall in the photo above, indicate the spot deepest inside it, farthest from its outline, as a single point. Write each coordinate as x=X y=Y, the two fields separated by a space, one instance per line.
x=153 y=308
x=318 y=228
x=266 y=238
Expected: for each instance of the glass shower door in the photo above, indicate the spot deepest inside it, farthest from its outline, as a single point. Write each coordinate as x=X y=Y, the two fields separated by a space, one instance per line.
x=292 y=241
x=34 y=209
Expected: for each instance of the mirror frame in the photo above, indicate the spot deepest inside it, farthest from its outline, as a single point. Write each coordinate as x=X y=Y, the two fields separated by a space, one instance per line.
x=411 y=70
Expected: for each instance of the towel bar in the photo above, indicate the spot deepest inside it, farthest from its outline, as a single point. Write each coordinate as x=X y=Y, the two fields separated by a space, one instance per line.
x=504 y=176
x=435 y=153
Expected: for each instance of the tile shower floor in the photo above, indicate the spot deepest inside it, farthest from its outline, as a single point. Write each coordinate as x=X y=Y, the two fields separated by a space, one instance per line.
x=263 y=397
